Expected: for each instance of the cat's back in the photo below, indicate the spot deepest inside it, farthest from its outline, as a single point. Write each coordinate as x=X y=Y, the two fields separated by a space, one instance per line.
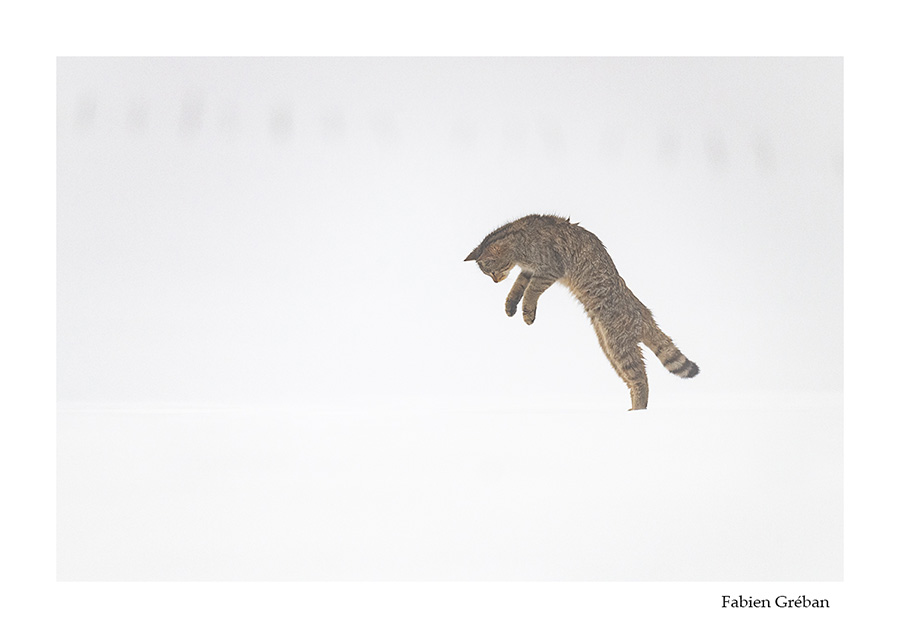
x=588 y=269
x=554 y=230
x=567 y=238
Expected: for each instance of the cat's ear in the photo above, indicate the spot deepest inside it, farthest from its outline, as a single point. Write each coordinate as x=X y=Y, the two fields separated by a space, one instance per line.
x=475 y=254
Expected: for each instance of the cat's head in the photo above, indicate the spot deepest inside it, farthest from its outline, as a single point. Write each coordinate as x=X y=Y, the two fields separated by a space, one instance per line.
x=493 y=261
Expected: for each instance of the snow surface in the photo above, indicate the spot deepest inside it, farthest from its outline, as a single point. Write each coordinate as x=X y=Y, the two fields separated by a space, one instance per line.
x=709 y=493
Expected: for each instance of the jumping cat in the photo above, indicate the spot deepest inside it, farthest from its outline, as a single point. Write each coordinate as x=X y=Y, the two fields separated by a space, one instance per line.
x=548 y=249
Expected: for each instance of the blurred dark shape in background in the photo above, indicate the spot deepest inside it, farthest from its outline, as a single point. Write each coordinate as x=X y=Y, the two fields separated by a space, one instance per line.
x=281 y=123
x=192 y=109
x=86 y=113
x=333 y=123
x=716 y=151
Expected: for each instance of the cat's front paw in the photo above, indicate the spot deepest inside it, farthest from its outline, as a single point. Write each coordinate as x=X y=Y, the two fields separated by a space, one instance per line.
x=528 y=316
x=510 y=308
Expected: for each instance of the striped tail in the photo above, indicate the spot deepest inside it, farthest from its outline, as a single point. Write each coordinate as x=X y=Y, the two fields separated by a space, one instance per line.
x=671 y=357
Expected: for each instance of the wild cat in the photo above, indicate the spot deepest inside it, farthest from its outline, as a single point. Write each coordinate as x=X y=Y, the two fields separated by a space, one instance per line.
x=548 y=249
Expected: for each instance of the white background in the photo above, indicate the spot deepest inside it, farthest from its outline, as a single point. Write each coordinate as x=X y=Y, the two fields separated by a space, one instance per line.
x=274 y=364
x=292 y=230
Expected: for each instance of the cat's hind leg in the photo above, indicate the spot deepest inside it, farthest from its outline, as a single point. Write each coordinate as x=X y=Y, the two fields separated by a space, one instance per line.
x=626 y=358
x=638 y=387
x=630 y=366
